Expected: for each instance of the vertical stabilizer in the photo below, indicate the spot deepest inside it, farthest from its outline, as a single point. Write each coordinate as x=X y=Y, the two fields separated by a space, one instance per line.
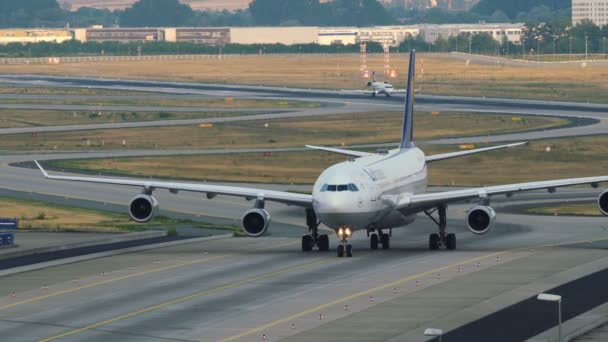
x=408 y=114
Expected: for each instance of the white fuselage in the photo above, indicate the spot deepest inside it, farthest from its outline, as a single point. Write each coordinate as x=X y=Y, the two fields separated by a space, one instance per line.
x=381 y=88
x=363 y=193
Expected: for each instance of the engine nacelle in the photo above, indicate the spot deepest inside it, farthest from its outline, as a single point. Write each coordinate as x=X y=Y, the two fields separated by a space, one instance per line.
x=602 y=202
x=143 y=208
x=255 y=222
x=480 y=219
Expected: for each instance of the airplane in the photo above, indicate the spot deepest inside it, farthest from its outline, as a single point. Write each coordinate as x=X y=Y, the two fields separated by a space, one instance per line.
x=373 y=192
x=380 y=87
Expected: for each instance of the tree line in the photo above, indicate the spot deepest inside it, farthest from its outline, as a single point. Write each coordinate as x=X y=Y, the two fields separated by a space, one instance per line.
x=548 y=38
x=48 y=13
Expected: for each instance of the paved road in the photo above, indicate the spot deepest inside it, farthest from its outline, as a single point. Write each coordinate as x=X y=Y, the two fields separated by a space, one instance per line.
x=239 y=289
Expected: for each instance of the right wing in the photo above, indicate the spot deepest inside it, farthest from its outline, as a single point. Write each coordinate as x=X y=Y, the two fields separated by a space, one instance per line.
x=428 y=200
x=289 y=198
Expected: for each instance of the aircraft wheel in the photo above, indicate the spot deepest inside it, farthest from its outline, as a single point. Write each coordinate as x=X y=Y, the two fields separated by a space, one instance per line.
x=451 y=242
x=373 y=241
x=349 y=251
x=323 y=243
x=307 y=243
x=434 y=242
x=373 y=94
x=340 y=251
x=386 y=241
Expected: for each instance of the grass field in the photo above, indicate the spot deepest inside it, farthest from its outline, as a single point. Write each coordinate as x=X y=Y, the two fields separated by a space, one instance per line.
x=436 y=74
x=4 y=89
x=568 y=158
x=575 y=209
x=340 y=129
x=34 y=215
x=27 y=118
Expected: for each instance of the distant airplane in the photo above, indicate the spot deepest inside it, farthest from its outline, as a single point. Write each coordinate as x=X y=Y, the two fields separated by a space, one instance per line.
x=380 y=87
x=375 y=192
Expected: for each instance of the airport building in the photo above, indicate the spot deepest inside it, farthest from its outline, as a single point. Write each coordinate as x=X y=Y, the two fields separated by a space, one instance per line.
x=120 y=34
x=385 y=35
x=274 y=35
x=338 y=35
x=593 y=10
x=34 y=35
x=512 y=32
x=199 y=35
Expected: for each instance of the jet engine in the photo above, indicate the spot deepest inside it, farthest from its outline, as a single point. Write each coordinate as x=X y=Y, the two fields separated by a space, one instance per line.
x=480 y=219
x=143 y=208
x=602 y=202
x=255 y=222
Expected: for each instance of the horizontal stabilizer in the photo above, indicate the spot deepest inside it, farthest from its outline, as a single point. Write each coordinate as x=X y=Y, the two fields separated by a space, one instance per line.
x=451 y=155
x=340 y=151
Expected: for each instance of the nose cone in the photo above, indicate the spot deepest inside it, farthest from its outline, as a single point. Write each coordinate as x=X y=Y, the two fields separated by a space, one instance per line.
x=337 y=210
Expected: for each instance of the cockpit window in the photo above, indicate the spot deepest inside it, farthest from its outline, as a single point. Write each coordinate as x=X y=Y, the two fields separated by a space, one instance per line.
x=339 y=187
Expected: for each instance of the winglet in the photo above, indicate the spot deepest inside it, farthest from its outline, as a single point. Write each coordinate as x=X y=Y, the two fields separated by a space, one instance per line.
x=46 y=175
x=407 y=135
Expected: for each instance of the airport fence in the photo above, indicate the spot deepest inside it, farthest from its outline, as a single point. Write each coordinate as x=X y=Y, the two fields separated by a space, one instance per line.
x=158 y=58
x=105 y=59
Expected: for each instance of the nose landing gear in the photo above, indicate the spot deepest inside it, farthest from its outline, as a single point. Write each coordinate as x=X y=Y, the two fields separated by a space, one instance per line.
x=344 y=234
x=313 y=239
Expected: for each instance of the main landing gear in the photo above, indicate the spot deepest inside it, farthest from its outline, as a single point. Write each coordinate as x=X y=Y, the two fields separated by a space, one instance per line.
x=378 y=239
x=441 y=239
x=313 y=239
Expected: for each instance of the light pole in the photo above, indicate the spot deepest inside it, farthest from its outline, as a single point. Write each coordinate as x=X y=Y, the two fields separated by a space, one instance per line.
x=433 y=332
x=554 y=298
x=586 y=47
x=570 y=48
x=604 y=47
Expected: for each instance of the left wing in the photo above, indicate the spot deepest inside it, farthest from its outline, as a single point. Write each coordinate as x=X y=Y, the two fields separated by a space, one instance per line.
x=302 y=200
x=432 y=199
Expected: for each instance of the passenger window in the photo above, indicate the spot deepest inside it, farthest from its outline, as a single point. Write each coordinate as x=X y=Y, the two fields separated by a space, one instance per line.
x=331 y=188
x=352 y=187
x=343 y=187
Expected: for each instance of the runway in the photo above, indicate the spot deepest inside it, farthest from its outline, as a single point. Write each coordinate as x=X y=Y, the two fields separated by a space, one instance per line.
x=243 y=289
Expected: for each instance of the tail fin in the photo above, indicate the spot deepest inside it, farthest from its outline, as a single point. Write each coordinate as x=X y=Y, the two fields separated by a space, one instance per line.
x=408 y=114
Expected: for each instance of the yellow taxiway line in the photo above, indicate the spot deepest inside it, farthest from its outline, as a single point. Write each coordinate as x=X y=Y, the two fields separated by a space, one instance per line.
x=193 y=296
x=129 y=276
x=353 y=296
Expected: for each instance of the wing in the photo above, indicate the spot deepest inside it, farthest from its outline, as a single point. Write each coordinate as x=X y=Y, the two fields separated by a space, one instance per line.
x=432 y=199
x=340 y=151
x=445 y=156
x=302 y=200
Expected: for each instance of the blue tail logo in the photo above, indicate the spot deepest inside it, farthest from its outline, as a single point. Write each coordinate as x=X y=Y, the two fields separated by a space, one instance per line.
x=407 y=135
